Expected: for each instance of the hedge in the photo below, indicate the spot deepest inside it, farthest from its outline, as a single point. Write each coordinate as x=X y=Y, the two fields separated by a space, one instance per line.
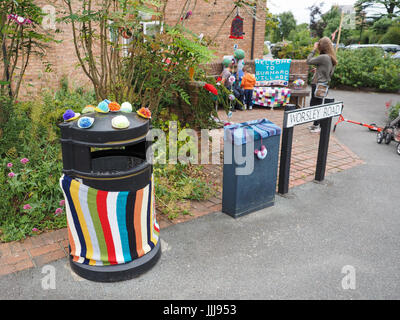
x=367 y=68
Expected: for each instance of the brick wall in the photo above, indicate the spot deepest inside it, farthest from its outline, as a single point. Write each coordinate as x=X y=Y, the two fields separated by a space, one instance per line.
x=60 y=58
x=207 y=18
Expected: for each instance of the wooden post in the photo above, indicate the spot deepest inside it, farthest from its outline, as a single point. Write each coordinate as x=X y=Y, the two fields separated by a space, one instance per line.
x=340 y=31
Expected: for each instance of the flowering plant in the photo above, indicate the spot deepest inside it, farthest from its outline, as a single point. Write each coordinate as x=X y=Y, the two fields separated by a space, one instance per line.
x=24 y=208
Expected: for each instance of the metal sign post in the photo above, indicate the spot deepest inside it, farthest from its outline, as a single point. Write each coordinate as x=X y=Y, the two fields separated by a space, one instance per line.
x=292 y=118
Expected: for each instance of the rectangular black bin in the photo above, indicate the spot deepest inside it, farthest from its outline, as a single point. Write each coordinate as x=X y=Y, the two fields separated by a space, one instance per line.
x=247 y=186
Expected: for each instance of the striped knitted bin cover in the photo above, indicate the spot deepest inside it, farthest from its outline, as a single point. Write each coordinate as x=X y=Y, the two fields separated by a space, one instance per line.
x=240 y=133
x=108 y=228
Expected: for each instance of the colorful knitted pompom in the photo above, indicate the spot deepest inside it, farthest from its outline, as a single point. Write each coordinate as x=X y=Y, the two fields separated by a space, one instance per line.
x=120 y=122
x=144 y=113
x=88 y=109
x=126 y=107
x=85 y=122
x=102 y=107
x=114 y=106
x=70 y=115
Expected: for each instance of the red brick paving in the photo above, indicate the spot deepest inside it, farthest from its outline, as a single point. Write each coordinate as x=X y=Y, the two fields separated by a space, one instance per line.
x=42 y=249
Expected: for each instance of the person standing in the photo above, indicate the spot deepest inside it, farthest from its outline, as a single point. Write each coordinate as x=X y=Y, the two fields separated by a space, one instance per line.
x=325 y=64
x=248 y=83
x=226 y=72
x=237 y=90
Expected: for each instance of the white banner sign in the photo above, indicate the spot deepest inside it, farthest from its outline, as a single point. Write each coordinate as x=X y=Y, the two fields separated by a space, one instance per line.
x=304 y=115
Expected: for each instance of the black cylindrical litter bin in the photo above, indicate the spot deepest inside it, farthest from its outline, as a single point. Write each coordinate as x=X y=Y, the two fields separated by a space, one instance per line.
x=251 y=152
x=109 y=193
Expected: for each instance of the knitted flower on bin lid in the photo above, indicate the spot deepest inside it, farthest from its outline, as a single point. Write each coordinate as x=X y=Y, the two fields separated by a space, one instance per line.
x=144 y=113
x=70 y=115
x=88 y=109
x=102 y=107
x=114 y=107
x=120 y=122
x=85 y=122
x=126 y=107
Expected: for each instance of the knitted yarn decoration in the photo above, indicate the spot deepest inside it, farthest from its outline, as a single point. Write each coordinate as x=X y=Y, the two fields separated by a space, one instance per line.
x=226 y=62
x=70 y=115
x=85 y=122
x=239 y=54
x=211 y=88
x=18 y=19
x=237 y=28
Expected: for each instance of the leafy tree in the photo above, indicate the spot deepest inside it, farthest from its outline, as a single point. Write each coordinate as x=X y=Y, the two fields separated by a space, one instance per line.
x=143 y=70
x=317 y=25
x=301 y=35
x=392 y=36
x=331 y=20
x=19 y=41
x=381 y=25
x=271 y=23
x=361 y=22
x=287 y=23
x=392 y=7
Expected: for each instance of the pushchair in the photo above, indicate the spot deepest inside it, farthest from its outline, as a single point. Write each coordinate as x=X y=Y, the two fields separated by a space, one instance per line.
x=390 y=132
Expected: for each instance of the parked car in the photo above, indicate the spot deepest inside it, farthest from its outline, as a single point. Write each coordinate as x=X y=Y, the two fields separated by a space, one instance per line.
x=396 y=55
x=341 y=45
x=386 y=47
x=393 y=48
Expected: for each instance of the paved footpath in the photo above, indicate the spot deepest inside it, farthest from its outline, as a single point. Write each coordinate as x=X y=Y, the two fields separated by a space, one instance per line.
x=296 y=249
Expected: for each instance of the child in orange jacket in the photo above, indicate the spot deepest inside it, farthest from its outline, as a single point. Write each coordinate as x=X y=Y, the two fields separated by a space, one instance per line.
x=248 y=82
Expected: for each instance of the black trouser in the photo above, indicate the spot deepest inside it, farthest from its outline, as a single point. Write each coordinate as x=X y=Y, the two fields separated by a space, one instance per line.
x=248 y=97
x=317 y=101
x=239 y=94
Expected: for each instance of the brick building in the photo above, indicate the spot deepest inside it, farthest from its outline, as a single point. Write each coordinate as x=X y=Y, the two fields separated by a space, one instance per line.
x=60 y=59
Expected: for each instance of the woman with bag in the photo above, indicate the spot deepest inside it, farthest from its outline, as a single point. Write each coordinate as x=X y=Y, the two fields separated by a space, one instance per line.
x=325 y=66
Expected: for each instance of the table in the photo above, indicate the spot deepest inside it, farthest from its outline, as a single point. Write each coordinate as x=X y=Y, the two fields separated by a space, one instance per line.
x=271 y=96
x=300 y=95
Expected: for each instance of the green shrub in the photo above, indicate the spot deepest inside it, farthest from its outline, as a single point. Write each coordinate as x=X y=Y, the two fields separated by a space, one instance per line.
x=291 y=50
x=392 y=36
x=374 y=38
x=176 y=184
x=30 y=191
x=381 y=25
x=368 y=68
x=394 y=111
